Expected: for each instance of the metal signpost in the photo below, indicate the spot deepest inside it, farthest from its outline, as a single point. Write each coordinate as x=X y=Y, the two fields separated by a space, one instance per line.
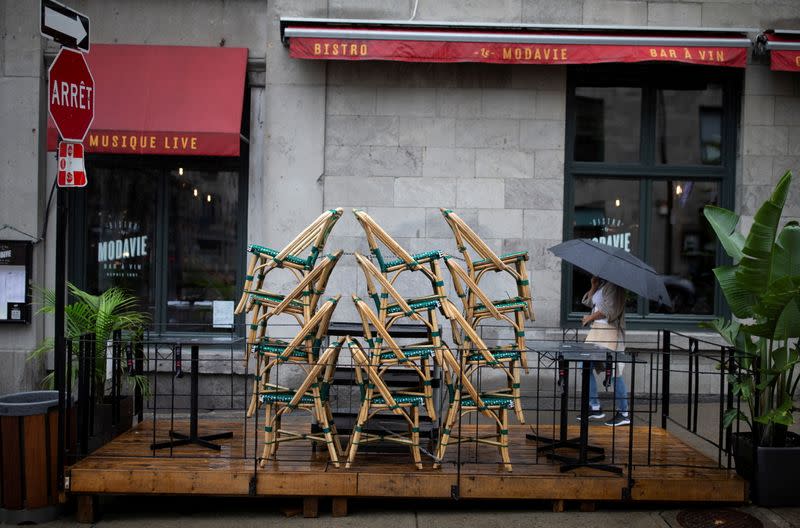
x=70 y=97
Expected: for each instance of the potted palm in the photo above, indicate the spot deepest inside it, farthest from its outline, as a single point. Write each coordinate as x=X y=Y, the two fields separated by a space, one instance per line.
x=762 y=288
x=100 y=315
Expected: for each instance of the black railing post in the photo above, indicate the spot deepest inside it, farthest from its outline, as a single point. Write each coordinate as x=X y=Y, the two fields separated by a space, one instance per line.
x=91 y=361
x=729 y=432
x=138 y=354
x=665 y=358
x=116 y=344
x=83 y=397
x=696 y=395
x=689 y=391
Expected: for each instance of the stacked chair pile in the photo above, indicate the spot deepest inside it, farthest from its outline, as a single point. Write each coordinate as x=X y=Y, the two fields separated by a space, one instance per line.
x=378 y=353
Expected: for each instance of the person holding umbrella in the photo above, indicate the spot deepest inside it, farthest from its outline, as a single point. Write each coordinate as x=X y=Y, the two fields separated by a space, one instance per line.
x=607 y=320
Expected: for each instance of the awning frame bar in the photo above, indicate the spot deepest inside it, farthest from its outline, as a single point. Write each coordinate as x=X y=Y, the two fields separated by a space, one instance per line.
x=511 y=38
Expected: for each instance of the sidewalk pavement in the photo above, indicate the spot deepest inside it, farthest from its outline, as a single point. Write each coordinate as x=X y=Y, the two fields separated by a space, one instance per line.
x=199 y=512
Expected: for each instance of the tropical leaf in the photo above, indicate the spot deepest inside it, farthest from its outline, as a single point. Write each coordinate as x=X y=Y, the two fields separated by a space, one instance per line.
x=724 y=223
x=740 y=299
x=731 y=415
x=778 y=305
x=786 y=256
x=756 y=263
x=728 y=330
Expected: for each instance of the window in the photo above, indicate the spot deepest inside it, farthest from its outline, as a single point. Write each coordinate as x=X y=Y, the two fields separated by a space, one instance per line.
x=647 y=148
x=168 y=229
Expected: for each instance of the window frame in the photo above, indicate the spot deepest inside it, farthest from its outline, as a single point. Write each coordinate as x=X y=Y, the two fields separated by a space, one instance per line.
x=650 y=78
x=78 y=227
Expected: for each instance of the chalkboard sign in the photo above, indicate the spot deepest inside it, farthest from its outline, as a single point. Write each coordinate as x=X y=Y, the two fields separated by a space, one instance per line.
x=15 y=280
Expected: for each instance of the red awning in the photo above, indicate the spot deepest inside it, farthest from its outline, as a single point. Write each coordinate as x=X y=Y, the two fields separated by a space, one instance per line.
x=784 y=49
x=175 y=100
x=505 y=44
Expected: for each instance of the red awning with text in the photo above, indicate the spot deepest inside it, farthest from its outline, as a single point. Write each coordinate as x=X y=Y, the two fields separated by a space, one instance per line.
x=784 y=50
x=426 y=44
x=175 y=100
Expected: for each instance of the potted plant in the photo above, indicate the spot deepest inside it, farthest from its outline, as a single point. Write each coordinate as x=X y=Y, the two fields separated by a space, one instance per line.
x=100 y=315
x=762 y=288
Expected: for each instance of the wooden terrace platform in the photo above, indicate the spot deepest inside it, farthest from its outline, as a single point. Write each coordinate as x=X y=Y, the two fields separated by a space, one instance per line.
x=675 y=472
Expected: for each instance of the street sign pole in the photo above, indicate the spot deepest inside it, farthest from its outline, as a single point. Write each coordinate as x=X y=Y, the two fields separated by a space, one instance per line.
x=60 y=359
x=71 y=104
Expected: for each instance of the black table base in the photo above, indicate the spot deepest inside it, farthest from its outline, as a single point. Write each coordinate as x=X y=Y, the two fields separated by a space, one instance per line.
x=580 y=443
x=180 y=439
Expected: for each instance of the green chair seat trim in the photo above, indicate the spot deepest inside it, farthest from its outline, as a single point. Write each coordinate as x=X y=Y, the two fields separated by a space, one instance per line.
x=490 y=401
x=415 y=306
x=284 y=397
x=263 y=250
x=278 y=349
x=517 y=303
x=276 y=298
x=500 y=354
x=410 y=353
x=413 y=400
x=418 y=258
x=517 y=254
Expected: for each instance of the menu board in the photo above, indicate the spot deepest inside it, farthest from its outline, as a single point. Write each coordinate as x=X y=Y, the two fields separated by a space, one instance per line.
x=15 y=277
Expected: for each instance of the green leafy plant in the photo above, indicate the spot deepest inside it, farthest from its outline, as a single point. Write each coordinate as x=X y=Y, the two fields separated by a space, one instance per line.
x=762 y=288
x=101 y=315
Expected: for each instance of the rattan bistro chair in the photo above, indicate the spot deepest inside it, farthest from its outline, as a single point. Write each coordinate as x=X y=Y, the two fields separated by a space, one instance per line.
x=301 y=302
x=488 y=260
x=312 y=396
x=385 y=352
x=478 y=306
x=426 y=262
x=477 y=354
x=466 y=399
x=265 y=259
x=376 y=397
x=303 y=348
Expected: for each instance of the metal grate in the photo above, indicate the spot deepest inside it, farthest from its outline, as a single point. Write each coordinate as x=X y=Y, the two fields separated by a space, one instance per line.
x=723 y=518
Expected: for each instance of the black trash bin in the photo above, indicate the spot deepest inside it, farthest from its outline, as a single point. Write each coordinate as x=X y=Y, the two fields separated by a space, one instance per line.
x=28 y=457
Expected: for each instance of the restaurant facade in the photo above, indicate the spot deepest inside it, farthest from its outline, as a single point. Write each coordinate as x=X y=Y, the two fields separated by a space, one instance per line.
x=219 y=124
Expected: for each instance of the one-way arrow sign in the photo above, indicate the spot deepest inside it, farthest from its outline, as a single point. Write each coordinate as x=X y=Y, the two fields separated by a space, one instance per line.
x=65 y=25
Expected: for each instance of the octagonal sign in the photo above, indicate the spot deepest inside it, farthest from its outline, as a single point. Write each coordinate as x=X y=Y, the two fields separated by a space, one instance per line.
x=71 y=95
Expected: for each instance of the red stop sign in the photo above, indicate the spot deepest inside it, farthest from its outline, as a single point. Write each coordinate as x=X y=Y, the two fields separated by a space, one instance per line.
x=71 y=95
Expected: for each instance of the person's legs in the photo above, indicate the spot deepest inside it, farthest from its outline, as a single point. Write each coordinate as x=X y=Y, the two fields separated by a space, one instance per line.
x=621 y=417
x=594 y=399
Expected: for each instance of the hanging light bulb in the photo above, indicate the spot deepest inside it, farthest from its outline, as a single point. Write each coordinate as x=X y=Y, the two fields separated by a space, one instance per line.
x=617 y=202
x=208 y=198
x=180 y=171
x=678 y=190
x=194 y=192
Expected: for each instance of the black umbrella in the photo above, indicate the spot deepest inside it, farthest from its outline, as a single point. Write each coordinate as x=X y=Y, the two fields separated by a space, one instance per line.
x=614 y=265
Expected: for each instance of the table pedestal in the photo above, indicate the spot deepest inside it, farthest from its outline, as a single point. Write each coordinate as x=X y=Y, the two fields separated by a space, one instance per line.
x=179 y=439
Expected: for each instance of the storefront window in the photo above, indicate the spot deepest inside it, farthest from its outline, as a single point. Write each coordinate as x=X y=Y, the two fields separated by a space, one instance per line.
x=201 y=252
x=607 y=124
x=689 y=126
x=121 y=234
x=166 y=230
x=644 y=158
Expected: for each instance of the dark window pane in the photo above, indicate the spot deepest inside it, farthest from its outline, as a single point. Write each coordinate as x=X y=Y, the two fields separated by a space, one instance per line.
x=121 y=222
x=607 y=211
x=607 y=122
x=689 y=126
x=201 y=245
x=683 y=246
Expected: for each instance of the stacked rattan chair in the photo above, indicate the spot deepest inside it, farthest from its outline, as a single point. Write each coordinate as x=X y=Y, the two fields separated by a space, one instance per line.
x=381 y=353
x=261 y=300
x=472 y=351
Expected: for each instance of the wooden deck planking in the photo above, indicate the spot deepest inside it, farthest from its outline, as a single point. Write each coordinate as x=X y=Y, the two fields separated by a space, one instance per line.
x=127 y=466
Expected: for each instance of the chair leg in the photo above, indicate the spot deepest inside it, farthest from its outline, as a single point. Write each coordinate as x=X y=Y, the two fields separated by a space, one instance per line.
x=430 y=405
x=250 y=269
x=452 y=415
x=415 y=436
x=269 y=434
x=336 y=441
x=503 y=438
x=352 y=448
x=516 y=392
x=322 y=418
